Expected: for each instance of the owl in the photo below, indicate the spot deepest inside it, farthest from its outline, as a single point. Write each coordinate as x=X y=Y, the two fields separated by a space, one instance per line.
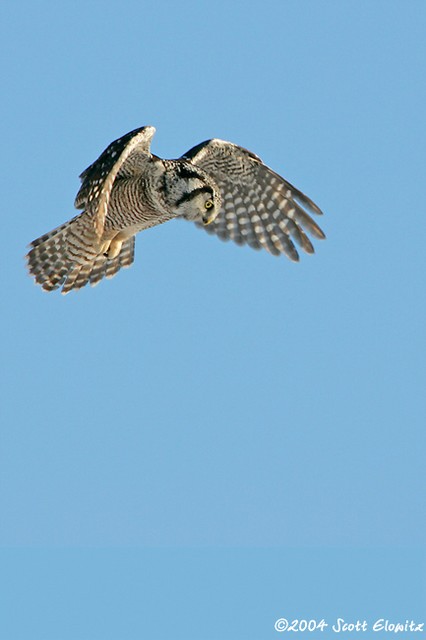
x=221 y=187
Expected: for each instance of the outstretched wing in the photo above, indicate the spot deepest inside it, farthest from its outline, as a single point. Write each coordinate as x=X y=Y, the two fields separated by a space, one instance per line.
x=123 y=157
x=259 y=207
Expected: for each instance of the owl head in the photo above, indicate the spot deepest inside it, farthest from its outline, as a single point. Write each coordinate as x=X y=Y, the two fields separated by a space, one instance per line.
x=194 y=194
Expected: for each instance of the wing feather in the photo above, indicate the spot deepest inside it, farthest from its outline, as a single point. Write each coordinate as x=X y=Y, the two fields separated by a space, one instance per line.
x=122 y=157
x=259 y=207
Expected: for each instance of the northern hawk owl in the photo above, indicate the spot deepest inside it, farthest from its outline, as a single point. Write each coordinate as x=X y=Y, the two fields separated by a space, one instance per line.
x=218 y=185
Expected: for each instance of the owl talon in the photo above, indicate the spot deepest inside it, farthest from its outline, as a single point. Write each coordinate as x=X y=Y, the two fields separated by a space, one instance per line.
x=111 y=248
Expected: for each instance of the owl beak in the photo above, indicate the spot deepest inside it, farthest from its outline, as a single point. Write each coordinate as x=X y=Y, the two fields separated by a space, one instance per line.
x=209 y=216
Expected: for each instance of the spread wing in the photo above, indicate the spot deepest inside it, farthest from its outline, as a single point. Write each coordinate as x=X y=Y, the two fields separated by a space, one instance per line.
x=259 y=207
x=124 y=158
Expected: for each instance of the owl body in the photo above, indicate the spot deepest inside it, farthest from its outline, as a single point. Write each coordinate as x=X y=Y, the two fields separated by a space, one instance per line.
x=218 y=185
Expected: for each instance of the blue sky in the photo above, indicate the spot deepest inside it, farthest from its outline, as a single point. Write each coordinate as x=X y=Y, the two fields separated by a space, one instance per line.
x=214 y=409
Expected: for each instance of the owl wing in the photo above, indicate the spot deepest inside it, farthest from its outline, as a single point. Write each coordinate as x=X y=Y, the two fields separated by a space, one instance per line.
x=259 y=207
x=124 y=157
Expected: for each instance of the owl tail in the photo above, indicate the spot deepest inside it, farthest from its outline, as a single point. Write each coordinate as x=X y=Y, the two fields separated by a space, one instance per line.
x=70 y=256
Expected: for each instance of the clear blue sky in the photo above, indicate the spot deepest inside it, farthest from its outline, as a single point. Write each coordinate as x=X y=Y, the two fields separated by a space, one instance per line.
x=216 y=438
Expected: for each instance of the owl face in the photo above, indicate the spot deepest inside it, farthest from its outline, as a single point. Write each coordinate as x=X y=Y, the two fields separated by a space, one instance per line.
x=202 y=203
x=194 y=193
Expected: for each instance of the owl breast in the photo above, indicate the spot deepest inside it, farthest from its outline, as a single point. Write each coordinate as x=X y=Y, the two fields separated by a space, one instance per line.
x=134 y=206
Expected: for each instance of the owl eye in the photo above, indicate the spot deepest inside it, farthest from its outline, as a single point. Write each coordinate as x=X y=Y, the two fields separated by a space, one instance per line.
x=208 y=204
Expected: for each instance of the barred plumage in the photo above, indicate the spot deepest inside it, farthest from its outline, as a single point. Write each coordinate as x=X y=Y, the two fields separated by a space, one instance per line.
x=218 y=185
